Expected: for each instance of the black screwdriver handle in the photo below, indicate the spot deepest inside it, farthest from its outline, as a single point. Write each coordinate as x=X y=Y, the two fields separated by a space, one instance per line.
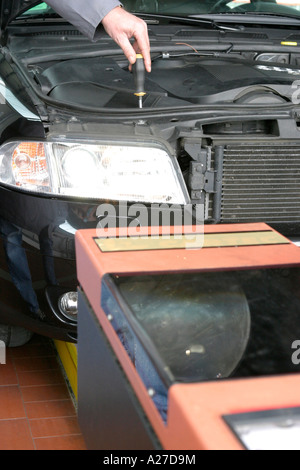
x=138 y=70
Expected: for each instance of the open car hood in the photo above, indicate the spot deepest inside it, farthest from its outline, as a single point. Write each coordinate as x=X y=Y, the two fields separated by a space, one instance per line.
x=11 y=8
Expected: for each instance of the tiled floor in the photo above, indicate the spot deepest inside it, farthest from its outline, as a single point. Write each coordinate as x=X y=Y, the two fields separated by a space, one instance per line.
x=36 y=408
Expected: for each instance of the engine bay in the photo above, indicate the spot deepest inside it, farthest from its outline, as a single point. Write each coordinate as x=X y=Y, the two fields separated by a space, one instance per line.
x=191 y=65
x=182 y=81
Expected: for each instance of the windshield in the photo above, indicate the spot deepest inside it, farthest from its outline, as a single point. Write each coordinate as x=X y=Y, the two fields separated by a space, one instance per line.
x=200 y=7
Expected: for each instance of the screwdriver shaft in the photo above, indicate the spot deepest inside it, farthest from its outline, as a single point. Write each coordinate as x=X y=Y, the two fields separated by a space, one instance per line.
x=139 y=78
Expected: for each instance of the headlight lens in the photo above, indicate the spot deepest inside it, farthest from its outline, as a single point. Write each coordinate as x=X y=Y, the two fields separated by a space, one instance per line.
x=115 y=172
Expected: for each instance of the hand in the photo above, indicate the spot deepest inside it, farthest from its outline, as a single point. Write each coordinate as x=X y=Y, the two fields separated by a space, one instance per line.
x=121 y=26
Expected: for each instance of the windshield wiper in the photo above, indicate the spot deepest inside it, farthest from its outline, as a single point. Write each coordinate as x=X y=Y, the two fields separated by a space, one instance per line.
x=266 y=13
x=247 y=17
x=188 y=20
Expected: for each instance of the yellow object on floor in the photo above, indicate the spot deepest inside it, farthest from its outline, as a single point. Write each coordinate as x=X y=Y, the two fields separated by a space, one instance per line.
x=68 y=356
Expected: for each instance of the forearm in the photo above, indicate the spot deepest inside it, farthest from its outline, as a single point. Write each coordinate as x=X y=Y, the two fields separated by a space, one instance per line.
x=86 y=16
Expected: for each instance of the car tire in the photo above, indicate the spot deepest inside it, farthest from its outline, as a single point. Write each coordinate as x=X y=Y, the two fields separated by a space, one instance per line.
x=14 y=336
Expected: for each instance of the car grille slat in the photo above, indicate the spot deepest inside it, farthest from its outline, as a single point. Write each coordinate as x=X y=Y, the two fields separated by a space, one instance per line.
x=261 y=182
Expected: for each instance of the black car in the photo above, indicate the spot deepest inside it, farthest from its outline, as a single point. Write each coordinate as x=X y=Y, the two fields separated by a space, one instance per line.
x=217 y=138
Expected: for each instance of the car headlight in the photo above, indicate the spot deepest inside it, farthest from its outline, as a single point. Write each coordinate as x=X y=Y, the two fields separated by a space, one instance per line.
x=115 y=172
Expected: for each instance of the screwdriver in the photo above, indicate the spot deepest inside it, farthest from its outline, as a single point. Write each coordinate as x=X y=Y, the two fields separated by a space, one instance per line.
x=139 y=77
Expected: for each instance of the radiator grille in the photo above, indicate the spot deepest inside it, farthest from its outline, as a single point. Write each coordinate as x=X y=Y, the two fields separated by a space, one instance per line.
x=261 y=183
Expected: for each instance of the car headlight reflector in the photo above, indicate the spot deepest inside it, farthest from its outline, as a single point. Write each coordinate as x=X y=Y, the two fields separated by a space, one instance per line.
x=115 y=172
x=75 y=173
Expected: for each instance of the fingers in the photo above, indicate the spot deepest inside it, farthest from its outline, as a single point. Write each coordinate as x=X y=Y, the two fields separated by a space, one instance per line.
x=127 y=48
x=142 y=46
x=121 y=27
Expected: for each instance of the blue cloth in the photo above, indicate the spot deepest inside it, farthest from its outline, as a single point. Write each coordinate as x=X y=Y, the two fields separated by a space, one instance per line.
x=17 y=263
x=135 y=351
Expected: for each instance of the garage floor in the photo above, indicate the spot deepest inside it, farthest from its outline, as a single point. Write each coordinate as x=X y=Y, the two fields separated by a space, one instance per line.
x=36 y=408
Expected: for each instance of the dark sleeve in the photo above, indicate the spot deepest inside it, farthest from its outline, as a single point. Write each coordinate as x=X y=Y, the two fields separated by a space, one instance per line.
x=84 y=15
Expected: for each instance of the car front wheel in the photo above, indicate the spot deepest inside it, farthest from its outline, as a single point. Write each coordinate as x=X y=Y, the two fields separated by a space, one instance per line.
x=14 y=336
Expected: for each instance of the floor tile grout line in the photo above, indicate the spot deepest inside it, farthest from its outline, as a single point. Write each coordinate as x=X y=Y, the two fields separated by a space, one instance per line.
x=15 y=418
x=56 y=436
x=54 y=417
x=44 y=385
x=18 y=418
x=47 y=401
x=9 y=385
